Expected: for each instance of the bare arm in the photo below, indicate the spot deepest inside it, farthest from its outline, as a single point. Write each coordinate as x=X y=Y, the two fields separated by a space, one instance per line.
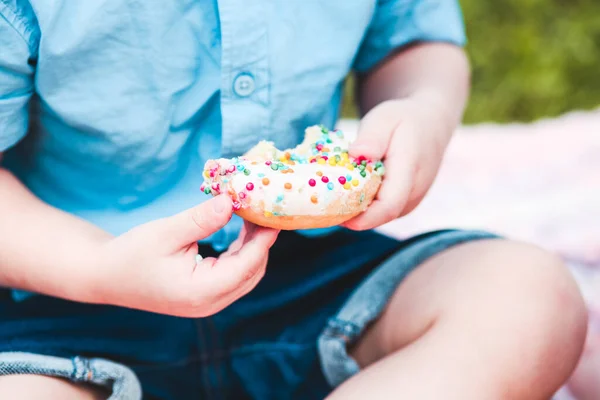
x=437 y=72
x=411 y=104
x=153 y=267
x=43 y=249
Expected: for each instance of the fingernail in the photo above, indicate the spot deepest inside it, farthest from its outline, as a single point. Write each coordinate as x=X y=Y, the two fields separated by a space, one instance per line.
x=220 y=204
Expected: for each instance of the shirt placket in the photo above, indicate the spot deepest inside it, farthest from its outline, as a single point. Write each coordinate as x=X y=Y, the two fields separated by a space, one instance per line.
x=245 y=75
x=245 y=85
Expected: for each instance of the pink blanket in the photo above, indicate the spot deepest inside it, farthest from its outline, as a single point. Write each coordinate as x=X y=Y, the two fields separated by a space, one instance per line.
x=536 y=182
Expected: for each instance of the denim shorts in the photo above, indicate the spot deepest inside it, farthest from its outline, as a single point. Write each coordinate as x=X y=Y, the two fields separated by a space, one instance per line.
x=287 y=339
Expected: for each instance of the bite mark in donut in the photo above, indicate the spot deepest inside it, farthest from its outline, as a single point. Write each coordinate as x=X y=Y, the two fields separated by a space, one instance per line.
x=317 y=184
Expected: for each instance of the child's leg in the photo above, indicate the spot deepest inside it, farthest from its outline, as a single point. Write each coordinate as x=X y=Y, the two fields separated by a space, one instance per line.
x=30 y=387
x=483 y=320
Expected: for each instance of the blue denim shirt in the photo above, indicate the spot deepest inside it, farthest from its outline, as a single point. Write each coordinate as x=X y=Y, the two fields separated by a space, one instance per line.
x=109 y=108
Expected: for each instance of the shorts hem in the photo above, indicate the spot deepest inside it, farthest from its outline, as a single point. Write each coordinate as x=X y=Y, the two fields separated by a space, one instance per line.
x=119 y=378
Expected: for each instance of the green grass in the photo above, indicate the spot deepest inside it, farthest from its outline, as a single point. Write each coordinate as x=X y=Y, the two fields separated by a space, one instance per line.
x=530 y=58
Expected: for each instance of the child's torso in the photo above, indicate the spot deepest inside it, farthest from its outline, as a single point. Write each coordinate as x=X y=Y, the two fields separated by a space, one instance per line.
x=133 y=96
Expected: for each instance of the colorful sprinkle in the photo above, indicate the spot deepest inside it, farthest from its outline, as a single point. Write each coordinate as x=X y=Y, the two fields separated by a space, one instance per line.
x=268 y=214
x=207 y=190
x=325 y=179
x=279 y=198
x=287 y=185
x=312 y=182
x=249 y=186
x=274 y=167
x=237 y=205
x=355 y=182
x=319 y=173
x=314 y=199
x=265 y=181
x=347 y=185
x=348 y=177
x=330 y=186
x=242 y=195
x=260 y=174
x=267 y=162
x=363 y=173
x=231 y=169
x=321 y=161
x=342 y=180
x=246 y=172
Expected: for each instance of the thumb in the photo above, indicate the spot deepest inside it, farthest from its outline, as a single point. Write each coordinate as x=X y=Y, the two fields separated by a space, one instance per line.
x=198 y=222
x=374 y=133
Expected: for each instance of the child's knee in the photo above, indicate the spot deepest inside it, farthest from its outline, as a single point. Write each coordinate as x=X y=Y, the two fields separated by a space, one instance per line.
x=27 y=387
x=543 y=309
x=538 y=288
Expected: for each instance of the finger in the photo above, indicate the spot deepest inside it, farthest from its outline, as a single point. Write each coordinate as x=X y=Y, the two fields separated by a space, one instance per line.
x=231 y=271
x=199 y=222
x=242 y=290
x=246 y=233
x=237 y=243
x=391 y=197
x=374 y=133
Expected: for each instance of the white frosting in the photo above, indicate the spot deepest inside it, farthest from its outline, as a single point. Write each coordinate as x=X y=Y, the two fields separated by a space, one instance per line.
x=301 y=199
x=297 y=200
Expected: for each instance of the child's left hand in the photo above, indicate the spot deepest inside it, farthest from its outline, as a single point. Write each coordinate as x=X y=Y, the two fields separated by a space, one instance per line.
x=410 y=135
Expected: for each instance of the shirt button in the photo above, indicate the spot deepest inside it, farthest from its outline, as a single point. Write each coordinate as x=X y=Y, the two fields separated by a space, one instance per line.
x=243 y=85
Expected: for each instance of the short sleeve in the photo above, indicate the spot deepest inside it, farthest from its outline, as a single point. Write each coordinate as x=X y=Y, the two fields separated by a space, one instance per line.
x=397 y=23
x=16 y=75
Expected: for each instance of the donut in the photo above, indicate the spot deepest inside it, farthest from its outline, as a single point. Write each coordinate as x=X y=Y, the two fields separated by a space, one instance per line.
x=317 y=184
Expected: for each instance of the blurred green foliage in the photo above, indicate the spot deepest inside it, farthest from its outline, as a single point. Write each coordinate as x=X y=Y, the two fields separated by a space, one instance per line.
x=530 y=58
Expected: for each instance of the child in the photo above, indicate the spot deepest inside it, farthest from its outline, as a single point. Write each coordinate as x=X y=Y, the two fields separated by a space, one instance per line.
x=108 y=111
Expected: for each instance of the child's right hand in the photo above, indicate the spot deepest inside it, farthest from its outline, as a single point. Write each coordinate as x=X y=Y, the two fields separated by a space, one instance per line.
x=154 y=268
